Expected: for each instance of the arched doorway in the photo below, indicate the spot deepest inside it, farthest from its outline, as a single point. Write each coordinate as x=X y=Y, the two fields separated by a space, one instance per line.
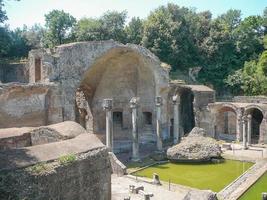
x=256 y=117
x=187 y=110
x=226 y=123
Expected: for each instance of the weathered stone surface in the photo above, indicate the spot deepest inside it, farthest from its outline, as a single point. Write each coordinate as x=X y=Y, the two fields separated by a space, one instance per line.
x=29 y=105
x=195 y=147
x=30 y=136
x=78 y=168
x=104 y=69
x=200 y=195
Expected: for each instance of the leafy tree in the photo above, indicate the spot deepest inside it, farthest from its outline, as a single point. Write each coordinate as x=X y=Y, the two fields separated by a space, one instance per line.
x=167 y=34
x=19 y=46
x=88 y=29
x=230 y=43
x=34 y=36
x=5 y=41
x=112 y=23
x=59 y=25
x=3 y=16
x=134 y=31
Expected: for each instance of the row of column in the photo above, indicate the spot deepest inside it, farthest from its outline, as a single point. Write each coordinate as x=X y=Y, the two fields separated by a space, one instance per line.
x=243 y=128
x=134 y=102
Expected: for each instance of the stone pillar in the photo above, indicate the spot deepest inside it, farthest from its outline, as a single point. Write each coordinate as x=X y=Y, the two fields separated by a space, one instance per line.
x=263 y=131
x=135 y=145
x=249 y=129
x=159 y=133
x=239 y=127
x=107 y=105
x=244 y=123
x=176 y=119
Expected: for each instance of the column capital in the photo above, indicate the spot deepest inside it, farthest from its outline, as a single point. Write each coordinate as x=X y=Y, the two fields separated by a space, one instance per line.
x=107 y=104
x=176 y=99
x=239 y=112
x=159 y=101
x=134 y=102
x=249 y=117
x=244 y=118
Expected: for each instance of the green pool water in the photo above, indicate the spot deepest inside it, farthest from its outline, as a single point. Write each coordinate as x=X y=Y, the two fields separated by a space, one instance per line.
x=254 y=192
x=198 y=175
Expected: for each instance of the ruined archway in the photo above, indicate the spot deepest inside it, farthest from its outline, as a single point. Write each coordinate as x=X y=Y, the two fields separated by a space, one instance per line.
x=226 y=123
x=187 y=110
x=256 y=116
x=119 y=74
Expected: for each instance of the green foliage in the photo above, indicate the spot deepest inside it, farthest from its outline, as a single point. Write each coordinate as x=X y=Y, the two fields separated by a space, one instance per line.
x=134 y=31
x=252 y=79
x=67 y=159
x=3 y=16
x=109 y=26
x=88 y=29
x=5 y=41
x=34 y=36
x=39 y=168
x=167 y=34
x=59 y=25
x=112 y=23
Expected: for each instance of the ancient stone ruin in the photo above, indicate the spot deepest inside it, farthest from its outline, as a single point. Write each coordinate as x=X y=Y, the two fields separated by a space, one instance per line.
x=119 y=95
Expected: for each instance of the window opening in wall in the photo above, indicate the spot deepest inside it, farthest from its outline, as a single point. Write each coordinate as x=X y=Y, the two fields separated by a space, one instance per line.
x=37 y=69
x=147 y=118
x=117 y=119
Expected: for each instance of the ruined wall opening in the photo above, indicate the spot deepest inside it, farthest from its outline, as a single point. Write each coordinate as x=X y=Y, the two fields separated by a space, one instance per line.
x=226 y=123
x=37 y=68
x=256 y=120
x=117 y=119
x=147 y=117
x=187 y=110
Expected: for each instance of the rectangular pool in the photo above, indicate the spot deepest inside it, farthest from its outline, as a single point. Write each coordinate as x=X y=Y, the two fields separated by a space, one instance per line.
x=198 y=175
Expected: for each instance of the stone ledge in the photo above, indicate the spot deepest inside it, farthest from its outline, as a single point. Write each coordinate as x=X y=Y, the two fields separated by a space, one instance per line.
x=23 y=157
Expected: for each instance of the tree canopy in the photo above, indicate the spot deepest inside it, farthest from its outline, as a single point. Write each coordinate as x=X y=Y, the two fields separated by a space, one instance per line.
x=230 y=50
x=58 y=24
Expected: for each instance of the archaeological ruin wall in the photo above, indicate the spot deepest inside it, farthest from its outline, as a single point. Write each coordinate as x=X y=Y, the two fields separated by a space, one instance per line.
x=73 y=165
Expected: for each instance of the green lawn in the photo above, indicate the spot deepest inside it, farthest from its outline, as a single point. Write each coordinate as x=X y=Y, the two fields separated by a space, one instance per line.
x=254 y=192
x=198 y=175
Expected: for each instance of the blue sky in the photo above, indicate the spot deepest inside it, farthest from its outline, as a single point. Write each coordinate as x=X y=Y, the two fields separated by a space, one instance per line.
x=32 y=11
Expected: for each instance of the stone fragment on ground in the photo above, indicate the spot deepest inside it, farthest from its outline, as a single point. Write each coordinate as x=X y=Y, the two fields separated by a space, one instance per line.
x=195 y=147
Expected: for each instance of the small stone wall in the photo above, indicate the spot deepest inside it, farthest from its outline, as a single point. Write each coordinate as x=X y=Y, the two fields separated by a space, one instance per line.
x=250 y=99
x=78 y=168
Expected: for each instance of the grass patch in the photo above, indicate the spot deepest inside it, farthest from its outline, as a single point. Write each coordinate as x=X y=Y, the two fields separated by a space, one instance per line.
x=39 y=168
x=67 y=159
x=198 y=175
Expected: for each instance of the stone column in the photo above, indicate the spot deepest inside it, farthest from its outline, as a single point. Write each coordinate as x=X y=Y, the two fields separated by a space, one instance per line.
x=135 y=145
x=107 y=105
x=239 y=127
x=249 y=129
x=263 y=131
x=244 y=123
x=176 y=119
x=159 y=133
